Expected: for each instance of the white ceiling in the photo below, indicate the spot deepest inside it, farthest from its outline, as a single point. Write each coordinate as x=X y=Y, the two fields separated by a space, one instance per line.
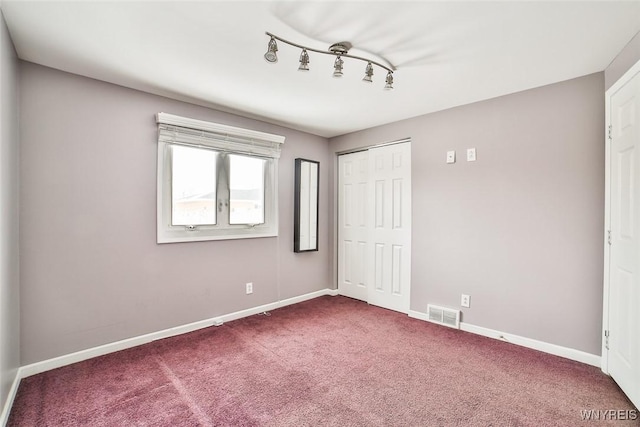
x=211 y=52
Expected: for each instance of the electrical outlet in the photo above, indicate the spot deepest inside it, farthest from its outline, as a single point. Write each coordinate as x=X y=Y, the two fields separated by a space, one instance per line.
x=465 y=301
x=249 y=288
x=451 y=156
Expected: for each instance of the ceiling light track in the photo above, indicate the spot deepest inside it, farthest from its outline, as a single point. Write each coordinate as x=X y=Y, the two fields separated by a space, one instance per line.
x=340 y=50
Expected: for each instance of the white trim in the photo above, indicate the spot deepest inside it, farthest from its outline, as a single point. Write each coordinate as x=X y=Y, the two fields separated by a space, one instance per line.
x=170 y=119
x=418 y=315
x=369 y=147
x=67 y=359
x=607 y=223
x=556 y=350
x=332 y=292
x=626 y=77
x=4 y=416
x=209 y=237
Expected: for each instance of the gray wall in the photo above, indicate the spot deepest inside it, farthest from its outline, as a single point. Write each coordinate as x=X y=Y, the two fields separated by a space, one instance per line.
x=92 y=272
x=520 y=230
x=623 y=61
x=9 y=269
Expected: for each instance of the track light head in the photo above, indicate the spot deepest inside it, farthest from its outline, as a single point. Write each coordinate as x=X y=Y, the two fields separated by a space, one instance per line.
x=304 y=61
x=337 y=67
x=389 y=81
x=368 y=73
x=272 y=48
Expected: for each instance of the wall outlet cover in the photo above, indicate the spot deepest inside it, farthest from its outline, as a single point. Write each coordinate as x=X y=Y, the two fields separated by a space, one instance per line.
x=465 y=301
x=451 y=156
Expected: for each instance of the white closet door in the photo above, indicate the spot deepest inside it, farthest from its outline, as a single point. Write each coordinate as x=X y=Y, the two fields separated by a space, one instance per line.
x=390 y=231
x=374 y=226
x=353 y=225
x=624 y=255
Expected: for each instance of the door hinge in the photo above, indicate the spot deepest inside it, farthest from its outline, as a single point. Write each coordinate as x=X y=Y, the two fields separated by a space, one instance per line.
x=609 y=132
x=609 y=237
x=606 y=339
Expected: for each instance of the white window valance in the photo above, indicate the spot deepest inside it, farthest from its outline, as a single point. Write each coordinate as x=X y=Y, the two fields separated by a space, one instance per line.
x=182 y=130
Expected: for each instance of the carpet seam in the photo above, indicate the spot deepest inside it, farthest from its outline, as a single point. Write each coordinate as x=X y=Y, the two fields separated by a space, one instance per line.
x=182 y=391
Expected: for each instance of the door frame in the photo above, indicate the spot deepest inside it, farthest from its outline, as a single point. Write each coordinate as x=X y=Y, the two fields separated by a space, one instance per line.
x=626 y=77
x=336 y=210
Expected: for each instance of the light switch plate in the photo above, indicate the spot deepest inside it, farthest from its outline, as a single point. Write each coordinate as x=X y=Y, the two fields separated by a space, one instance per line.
x=451 y=156
x=471 y=154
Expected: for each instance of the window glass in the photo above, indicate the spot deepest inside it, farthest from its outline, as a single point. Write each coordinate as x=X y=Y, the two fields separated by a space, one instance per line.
x=193 y=186
x=246 y=188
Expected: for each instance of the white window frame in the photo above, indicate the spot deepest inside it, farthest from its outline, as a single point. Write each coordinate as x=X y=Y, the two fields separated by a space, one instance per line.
x=176 y=130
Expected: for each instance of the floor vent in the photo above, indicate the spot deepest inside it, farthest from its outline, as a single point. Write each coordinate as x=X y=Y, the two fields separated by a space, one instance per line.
x=443 y=316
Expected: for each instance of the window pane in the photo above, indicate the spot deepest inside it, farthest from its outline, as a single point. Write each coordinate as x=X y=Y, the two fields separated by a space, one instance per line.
x=193 y=186
x=246 y=185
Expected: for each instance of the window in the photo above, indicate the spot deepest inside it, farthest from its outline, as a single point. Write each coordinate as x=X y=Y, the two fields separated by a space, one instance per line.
x=246 y=190
x=193 y=186
x=215 y=182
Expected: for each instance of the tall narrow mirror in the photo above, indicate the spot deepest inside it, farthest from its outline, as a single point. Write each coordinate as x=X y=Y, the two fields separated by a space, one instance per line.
x=305 y=234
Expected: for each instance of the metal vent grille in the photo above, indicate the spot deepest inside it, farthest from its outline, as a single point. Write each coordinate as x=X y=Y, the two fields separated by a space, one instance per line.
x=443 y=316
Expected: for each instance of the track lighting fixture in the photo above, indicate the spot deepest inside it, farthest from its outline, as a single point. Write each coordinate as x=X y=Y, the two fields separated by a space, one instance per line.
x=272 y=48
x=340 y=50
x=304 y=61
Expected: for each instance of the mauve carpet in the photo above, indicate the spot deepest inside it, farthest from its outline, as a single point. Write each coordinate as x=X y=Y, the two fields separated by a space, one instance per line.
x=331 y=361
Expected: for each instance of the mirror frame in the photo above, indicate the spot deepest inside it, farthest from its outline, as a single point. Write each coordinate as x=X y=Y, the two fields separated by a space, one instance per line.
x=297 y=208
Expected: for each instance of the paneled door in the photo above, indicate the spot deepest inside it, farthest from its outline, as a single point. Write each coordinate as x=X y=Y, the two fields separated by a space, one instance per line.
x=622 y=292
x=353 y=225
x=374 y=226
x=390 y=226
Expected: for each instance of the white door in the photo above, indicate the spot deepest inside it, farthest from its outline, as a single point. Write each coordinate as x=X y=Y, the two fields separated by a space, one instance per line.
x=353 y=225
x=374 y=226
x=390 y=231
x=622 y=321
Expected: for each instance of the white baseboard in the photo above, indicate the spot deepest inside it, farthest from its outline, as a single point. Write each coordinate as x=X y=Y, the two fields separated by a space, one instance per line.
x=556 y=350
x=68 y=359
x=6 y=409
